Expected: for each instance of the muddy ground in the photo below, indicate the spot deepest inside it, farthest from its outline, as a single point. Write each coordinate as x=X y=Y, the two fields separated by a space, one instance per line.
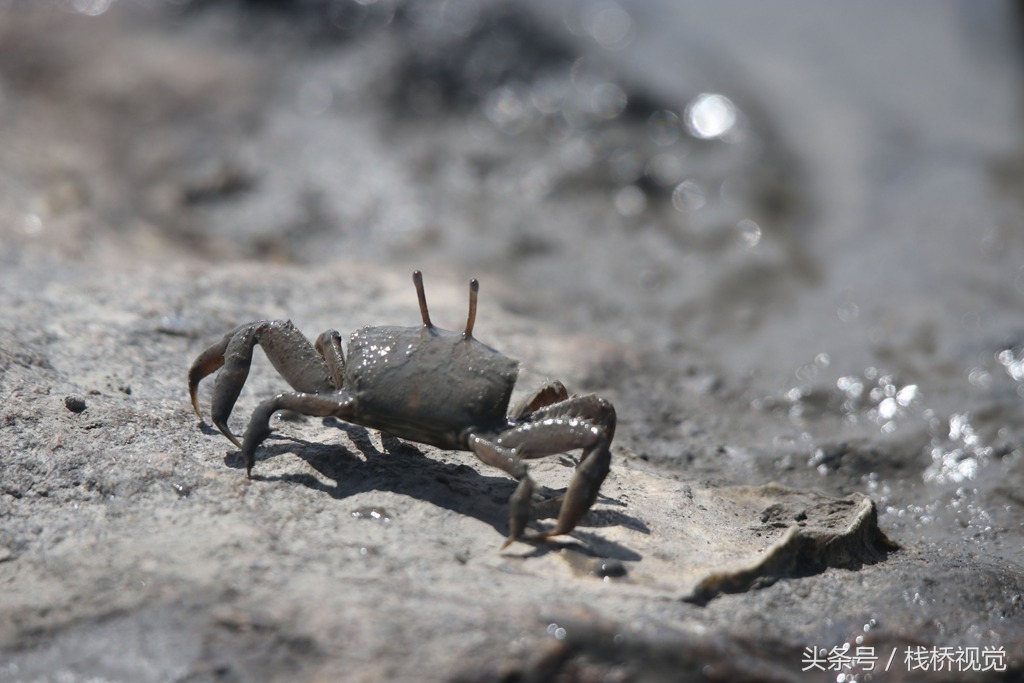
x=785 y=243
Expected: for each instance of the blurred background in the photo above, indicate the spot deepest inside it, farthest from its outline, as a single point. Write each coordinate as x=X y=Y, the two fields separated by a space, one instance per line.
x=789 y=234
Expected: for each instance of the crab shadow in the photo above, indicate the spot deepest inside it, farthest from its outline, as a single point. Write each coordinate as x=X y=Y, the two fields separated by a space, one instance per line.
x=400 y=467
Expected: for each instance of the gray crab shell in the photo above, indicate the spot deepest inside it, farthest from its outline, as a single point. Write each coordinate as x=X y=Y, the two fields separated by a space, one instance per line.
x=428 y=384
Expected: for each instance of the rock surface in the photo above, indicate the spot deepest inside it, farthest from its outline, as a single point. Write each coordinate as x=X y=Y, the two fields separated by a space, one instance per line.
x=122 y=508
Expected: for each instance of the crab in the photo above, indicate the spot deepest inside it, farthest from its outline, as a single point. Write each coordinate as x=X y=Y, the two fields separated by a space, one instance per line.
x=423 y=384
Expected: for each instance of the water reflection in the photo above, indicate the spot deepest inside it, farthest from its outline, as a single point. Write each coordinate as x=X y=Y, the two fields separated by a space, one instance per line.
x=1012 y=361
x=626 y=166
x=607 y=100
x=956 y=449
x=873 y=396
x=522 y=78
x=710 y=116
x=507 y=111
x=630 y=201
x=91 y=8
x=605 y=21
x=663 y=127
x=749 y=231
x=957 y=455
x=688 y=196
x=665 y=169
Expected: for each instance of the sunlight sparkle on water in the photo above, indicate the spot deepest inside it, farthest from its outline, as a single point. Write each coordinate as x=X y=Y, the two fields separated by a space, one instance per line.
x=710 y=116
x=91 y=8
x=607 y=23
x=665 y=169
x=507 y=111
x=959 y=455
x=688 y=196
x=750 y=233
x=558 y=632
x=626 y=166
x=630 y=201
x=1013 y=363
x=873 y=396
x=663 y=127
x=607 y=100
x=882 y=403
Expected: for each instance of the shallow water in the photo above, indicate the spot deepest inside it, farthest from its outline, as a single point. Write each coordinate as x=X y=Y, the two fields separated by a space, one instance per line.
x=903 y=336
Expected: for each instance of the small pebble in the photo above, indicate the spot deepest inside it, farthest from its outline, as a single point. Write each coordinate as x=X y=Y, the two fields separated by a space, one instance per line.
x=74 y=403
x=610 y=569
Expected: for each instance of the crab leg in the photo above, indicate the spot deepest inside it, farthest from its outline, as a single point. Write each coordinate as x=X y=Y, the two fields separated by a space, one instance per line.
x=586 y=422
x=292 y=355
x=507 y=460
x=316 y=405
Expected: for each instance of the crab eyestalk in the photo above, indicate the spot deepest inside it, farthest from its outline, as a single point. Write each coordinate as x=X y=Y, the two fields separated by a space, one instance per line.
x=474 y=288
x=417 y=278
